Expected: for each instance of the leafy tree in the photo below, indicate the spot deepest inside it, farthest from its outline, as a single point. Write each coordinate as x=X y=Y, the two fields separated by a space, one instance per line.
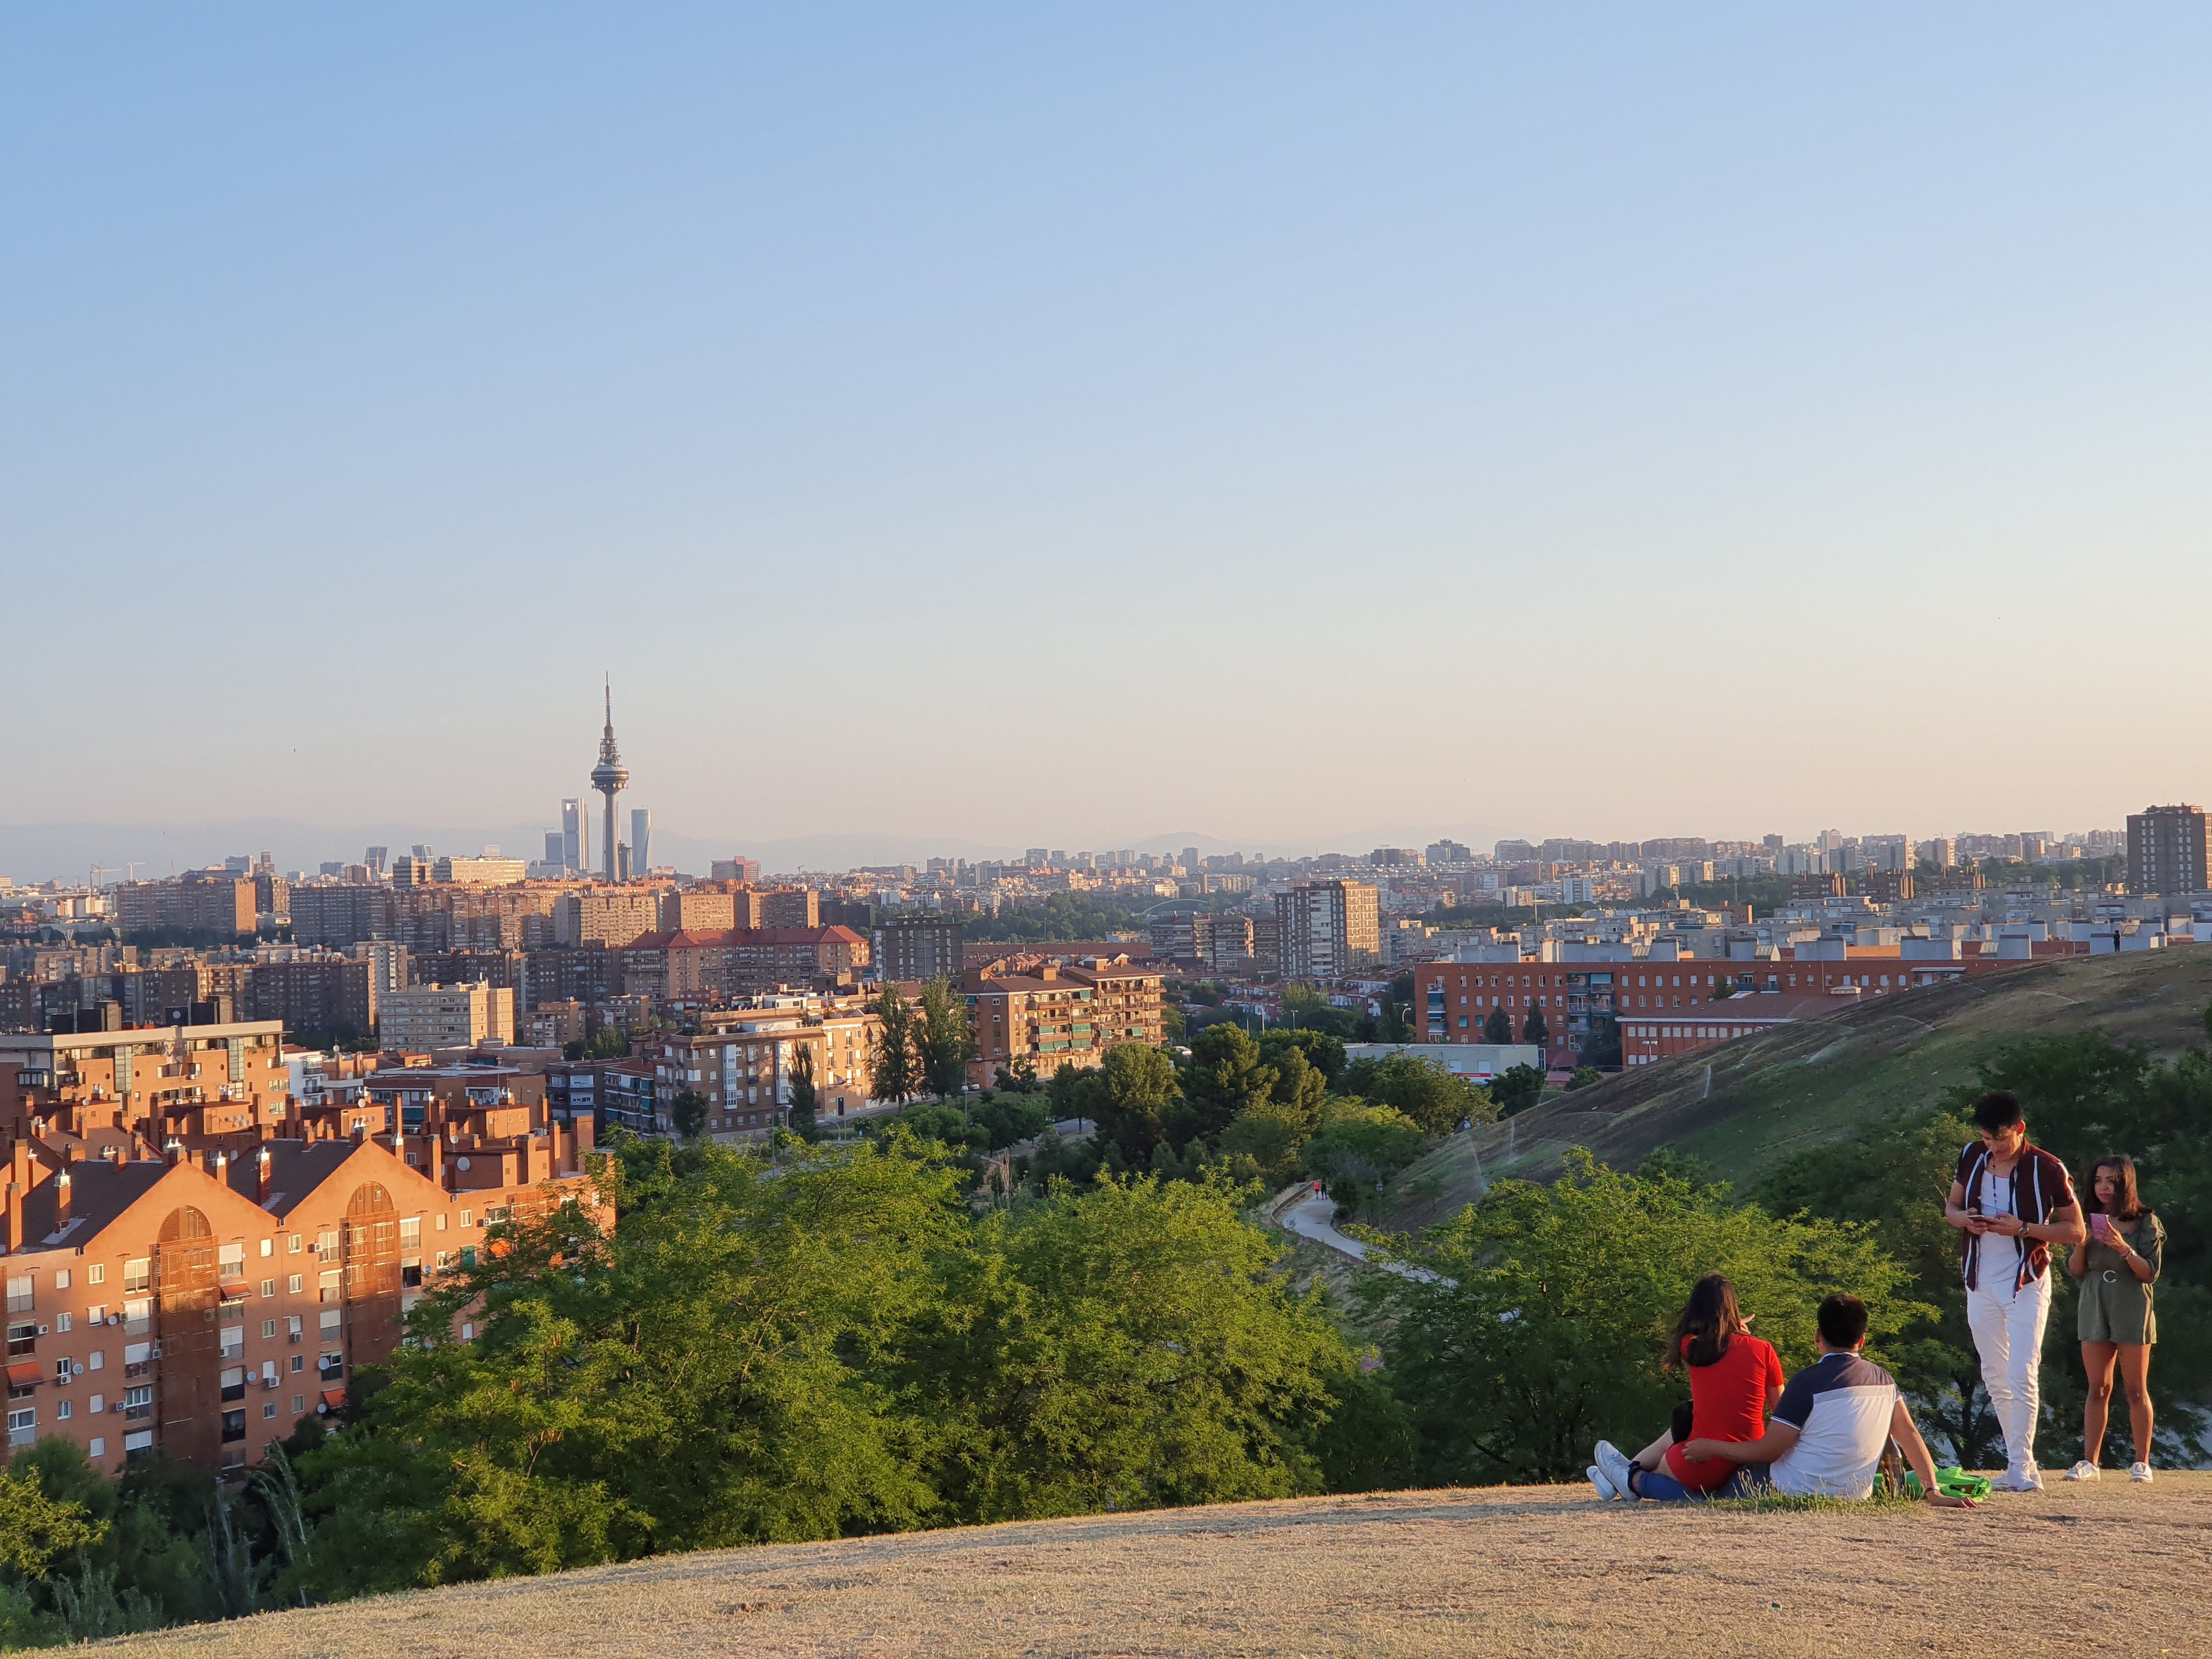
x=688 y=1112
x=1518 y=1088
x=1224 y=1075
x=36 y=1530
x=607 y=1043
x=805 y=1098
x=1321 y=1051
x=1008 y=1118
x=944 y=1042
x=1298 y=1087
x=1129 y=1346
x=1534 y=1030
x=718 y=1372
x=1724 y=987
x=1358 y=1145
x=1264 y=1142
x=1543 y=1321
x=1499 y=1027
x=891 y=1067
x=1582 y=1076
x=1423 y=1088
x=1137 y=1090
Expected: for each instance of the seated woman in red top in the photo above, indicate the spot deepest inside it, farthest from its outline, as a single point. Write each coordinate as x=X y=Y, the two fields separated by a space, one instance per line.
x=1735 y=1378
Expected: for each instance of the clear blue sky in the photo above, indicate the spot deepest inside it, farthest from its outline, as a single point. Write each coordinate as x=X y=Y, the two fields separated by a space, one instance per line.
x=1043 y=428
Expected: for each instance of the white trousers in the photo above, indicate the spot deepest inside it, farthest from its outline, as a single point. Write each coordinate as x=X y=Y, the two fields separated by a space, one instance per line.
x=2007 y=1328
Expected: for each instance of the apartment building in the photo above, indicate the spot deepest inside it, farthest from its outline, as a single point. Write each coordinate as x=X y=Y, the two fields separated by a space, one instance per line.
x=742 y=962
x=340 y=914
x=430 y=1017
x=222 y=906
x=1327 y=929
x=129 y=1092
x=744 y=1063
x=329 y=996
x=199 y=1305
x=697 y=910
x=790 y=906
x=2166 y=850
x=921 y=948
x=611 y=916
x=1035 y=1013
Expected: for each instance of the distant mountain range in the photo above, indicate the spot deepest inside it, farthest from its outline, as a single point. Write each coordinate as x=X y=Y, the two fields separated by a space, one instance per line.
x=67 y=852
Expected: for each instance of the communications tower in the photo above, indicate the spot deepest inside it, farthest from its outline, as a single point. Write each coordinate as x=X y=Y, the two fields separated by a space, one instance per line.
x=608 y=777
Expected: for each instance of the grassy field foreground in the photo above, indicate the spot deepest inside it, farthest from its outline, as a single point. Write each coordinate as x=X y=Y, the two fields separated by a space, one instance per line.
x=2108 y=1569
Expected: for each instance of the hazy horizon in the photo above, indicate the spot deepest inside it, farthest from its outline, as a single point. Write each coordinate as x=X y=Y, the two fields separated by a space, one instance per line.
x=971 y=426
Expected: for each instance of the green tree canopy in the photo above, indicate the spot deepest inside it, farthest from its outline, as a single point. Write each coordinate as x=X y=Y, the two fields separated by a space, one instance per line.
x=1424 y=1089
x=1224 y=1075
x=1543 y=1321
x=1499 y=1027
x=894 y=1073
x=944 y=1042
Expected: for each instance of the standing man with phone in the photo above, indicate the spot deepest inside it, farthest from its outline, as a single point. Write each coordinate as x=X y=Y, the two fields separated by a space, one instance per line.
x=2013 y=1202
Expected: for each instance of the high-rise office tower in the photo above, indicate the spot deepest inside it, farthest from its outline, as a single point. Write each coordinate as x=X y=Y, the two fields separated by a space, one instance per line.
x=575 y=837
x=641 y=841
x=608 y=777
x=555 y=855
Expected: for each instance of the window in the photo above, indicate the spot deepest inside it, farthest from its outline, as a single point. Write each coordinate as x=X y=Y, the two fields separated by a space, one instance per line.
x=61 y=1321
x=299 y=1402
x=268 y=1287
x=61 y=1373
x=234 y=1425
x=268 y=1411
x=139 y=1274
x=299 y=1364
x=268 y=1248
x=411 y=1232
x=296 y=1283
x=138 y=1403
x=292 y=1328
x=292 y=1244
x=96 y=1273
x=18 y=1293
x=23 y=1426
x=140 y=1441
x=468 y=1218
x=230 y=1262
x=97 y=1360
x=442 y=1224
x=62 y=1280
x=326 y=1244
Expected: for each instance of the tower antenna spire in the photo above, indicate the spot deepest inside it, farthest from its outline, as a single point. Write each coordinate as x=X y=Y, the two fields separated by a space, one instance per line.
x=608 y=777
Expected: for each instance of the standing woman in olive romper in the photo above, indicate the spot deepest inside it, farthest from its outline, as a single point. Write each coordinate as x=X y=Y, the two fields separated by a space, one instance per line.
x=2117 y=1267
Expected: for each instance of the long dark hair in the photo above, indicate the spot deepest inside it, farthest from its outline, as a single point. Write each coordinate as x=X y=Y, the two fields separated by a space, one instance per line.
x=2130 y=1207
x=1710 y=1322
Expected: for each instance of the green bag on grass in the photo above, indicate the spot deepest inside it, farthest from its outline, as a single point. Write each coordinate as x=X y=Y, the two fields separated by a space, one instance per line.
x=1951 y=1482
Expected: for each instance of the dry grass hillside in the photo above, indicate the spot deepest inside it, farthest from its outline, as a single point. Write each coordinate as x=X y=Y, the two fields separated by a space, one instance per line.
x=1744 y=1105
x=2111 y=1568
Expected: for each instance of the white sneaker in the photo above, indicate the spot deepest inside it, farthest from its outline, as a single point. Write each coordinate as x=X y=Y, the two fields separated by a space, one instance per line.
x=1613 y=1463
x=2085 y=1470
x=1605 y=1488
x=2139 y=1472
x=2017 y=1481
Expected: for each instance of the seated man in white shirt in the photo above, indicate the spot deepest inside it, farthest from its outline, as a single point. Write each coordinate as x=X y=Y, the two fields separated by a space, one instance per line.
x=1835 y=1419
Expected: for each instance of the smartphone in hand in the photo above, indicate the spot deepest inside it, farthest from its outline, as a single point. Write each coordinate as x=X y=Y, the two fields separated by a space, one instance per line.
x=2101 y=1224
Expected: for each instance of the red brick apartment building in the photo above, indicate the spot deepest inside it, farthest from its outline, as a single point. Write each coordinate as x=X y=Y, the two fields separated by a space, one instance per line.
x=741 y=961
x=1048 y=1013
x=1451 y=999
x=195 y=1275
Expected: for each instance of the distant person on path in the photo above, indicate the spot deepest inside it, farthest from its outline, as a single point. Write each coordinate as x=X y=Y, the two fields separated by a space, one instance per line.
x=2013 y=1202
x=1734 y=1380
x=1835 y=1419
x=2117 y=1267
